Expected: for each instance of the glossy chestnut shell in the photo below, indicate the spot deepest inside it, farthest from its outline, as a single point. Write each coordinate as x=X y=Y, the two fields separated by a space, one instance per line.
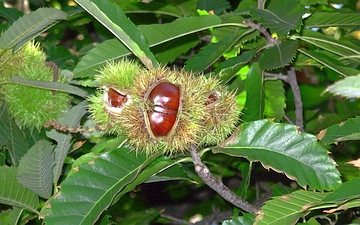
x=114 y=100
x=164 y=100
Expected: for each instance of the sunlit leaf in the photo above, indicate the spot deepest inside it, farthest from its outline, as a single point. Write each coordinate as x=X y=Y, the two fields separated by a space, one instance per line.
x=348 y=87
x=228 y=69
x=14 y=194
x=35 y=169
x=30 y=26
x=282 y=148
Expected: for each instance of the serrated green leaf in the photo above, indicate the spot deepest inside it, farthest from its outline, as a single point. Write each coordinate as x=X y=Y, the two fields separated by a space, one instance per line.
x=329 y=62
x=71 y=119
x=254 y=105
x=280 y=16
x=56 y=86
x=345 y=131
x=279 y=55
x=282 y=148
x=11 y=136
x=90 y=190
x=115 y=20
x=275 y=100
x=30 y=26
x=332 y=19
x=35 y=169
x=155 y=34
x=342 y=48
x=348 y=87
x=14 y=194
x=347 y=191
x=287 y=209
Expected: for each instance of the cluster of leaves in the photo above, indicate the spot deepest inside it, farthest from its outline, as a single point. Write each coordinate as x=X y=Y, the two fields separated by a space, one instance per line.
x=253 y=47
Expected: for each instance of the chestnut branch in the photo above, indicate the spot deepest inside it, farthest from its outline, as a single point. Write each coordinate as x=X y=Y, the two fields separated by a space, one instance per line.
x=217 y=185
x=292 y=81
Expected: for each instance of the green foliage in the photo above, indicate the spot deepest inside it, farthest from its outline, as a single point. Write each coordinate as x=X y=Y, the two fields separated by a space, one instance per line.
x=71 y=171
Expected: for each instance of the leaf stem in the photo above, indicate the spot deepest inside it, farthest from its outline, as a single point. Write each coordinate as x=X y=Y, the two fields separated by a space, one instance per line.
x=204 y=173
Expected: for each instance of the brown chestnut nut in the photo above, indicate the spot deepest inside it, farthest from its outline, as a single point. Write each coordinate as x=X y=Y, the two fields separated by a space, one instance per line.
x=164 y=104
x=114 y=100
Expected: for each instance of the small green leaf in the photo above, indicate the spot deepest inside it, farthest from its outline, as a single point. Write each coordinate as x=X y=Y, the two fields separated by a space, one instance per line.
x=35 y=169
x=11 y=216
x=14 y=194
x=348 y=87
x=279 y=55
x=254 y=105
x=282 y=148
x=345 y=131
x=30 y=26
x=115 y=20
x=332 y=19
x=280 y=16
x=287 y=209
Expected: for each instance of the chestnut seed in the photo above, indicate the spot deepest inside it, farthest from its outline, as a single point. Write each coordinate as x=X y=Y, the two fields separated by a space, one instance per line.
x=164 y=104
x=114 y=100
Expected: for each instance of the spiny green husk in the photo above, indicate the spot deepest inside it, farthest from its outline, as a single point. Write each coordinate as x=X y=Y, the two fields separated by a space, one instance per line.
x=221 y=116
x=199 y=123
x=31 y=106
x=119 y=75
